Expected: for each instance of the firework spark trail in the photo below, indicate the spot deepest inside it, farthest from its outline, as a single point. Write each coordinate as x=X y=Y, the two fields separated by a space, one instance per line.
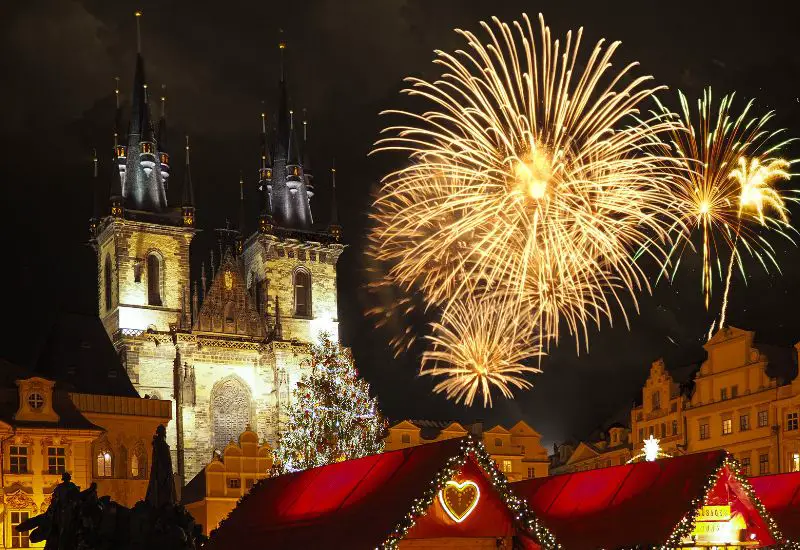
x=728 y=163
x=480 y=344
x=524 y=179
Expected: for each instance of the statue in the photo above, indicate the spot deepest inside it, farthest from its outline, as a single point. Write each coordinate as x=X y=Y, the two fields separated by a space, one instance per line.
x=80 y=520
x=161 y=488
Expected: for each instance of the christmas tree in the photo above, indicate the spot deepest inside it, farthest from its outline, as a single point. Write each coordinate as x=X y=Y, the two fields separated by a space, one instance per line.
x=332 y=417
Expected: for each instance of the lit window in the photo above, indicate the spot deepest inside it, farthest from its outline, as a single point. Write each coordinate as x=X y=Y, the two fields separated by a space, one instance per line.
x=405 y=438
x=796 y=462
x=134 y=466
x=723 y=394
x=35 y=401
x=744 y=422
x=763 y=419
x=791 y=421
x=56 y=460
x=19 y=459
x=19 y=540
x=656 y=401
x=104 y=464
x=746 y=465
x=763 y=464
x=302 y=294
x=704 y=431
x=154 y=280
x=727 y=426
x=507 y=466
x=234 y=483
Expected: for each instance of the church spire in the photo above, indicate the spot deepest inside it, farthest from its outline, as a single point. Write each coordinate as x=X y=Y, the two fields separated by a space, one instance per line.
x=187 y=203
x=334 y=228
x=161 y=138
x=242 y=217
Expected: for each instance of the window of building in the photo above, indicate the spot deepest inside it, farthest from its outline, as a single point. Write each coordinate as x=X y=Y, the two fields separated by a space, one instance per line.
x=35 y=401
x=734 y=392
x=673 y=407
x=746 y=465
x=727 y=426
x=107 y=283
x=104 y=464
x=56 y=460
x=18 y=456
x=498 y=442
x=248 y=483
x=230 y=411
x=663 y=430
x=704 y=431
x=19 y=540
x=763 y=419
x=791 y=421
x=405 y=438
x=135 y=466
x=532 y=473
x=234 y=483
x=302 y=293
x=723 y=394
x=154 y=280
x=796 y=462
x=674 y=427
x=641 y=434
x=639 y=416
x=507 y=466
x=744 y=422
x=651 y=430
x=763 y=464
x=656 y=401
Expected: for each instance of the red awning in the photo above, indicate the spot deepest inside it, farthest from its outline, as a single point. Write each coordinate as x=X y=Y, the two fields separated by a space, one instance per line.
x=635 y=505
x=358 y=503
x=780 y=495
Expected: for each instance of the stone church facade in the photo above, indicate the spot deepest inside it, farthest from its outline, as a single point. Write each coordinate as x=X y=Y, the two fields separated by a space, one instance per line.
x=229 y=350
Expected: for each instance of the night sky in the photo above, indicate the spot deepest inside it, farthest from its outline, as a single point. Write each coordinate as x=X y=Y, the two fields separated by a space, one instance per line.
x=346 y=60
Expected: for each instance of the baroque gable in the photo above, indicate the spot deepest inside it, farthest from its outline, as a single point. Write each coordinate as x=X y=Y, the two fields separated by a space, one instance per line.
x=227 y=308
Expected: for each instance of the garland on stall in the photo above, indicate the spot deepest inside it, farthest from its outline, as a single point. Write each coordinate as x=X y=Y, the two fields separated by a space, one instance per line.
x=518 y=506
x=686 y=524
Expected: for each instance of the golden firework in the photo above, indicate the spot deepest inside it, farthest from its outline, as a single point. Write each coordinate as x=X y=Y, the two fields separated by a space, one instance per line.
x=528 y=174
x=729 y=164
x=480 y=344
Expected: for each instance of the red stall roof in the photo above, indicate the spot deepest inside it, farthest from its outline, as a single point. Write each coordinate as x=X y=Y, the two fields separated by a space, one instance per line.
x=780 y=495
x=634 y=505
x=352 y=504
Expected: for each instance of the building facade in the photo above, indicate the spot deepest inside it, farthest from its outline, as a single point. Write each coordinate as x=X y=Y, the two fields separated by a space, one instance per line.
x=744 y=399
x=610 y=448
x=215 y=491
x=517 y=451
x=226 y=349
x=46 y=431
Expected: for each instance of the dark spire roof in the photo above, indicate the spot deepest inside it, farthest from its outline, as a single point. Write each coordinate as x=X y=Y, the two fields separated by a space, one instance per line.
x=266 y=160
x=138 y=103
x=162 y=122
x=147 y=119
x=117 y=113
x=306 y=152
x=292 y=150
x=334 y=207
x=242 y=218
x=188 y=189
x=98 y=202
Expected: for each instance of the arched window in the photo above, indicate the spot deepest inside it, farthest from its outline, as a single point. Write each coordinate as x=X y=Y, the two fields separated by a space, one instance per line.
x=107 y=283
x=302 y=293
x=153 y=280
x=230 y=313
x=104 y=459
x=138 y=463
x=230 y=411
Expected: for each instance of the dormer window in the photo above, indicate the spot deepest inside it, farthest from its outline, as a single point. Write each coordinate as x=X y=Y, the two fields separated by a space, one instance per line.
x=35 y=401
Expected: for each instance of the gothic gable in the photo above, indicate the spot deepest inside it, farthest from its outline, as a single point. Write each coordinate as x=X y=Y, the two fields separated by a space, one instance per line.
x=227 y=308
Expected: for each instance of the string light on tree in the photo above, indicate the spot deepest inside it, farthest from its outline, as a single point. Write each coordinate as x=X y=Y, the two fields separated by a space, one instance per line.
x=332 y=416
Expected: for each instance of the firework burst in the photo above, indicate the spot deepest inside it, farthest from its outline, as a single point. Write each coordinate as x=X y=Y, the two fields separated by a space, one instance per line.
x=724 y=191
x=479 y=345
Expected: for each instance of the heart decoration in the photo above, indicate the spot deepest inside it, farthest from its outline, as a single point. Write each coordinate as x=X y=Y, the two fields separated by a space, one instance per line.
x=459 y=499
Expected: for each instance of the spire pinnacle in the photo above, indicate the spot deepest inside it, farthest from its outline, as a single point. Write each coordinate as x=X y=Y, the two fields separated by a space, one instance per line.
x=94 y=162
x=116 y=114
x=116 y=90
x=138 y=15
x=334 y=228
x=282 y=48
x=188 y=191
x=163 y=101
x=305 y=126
